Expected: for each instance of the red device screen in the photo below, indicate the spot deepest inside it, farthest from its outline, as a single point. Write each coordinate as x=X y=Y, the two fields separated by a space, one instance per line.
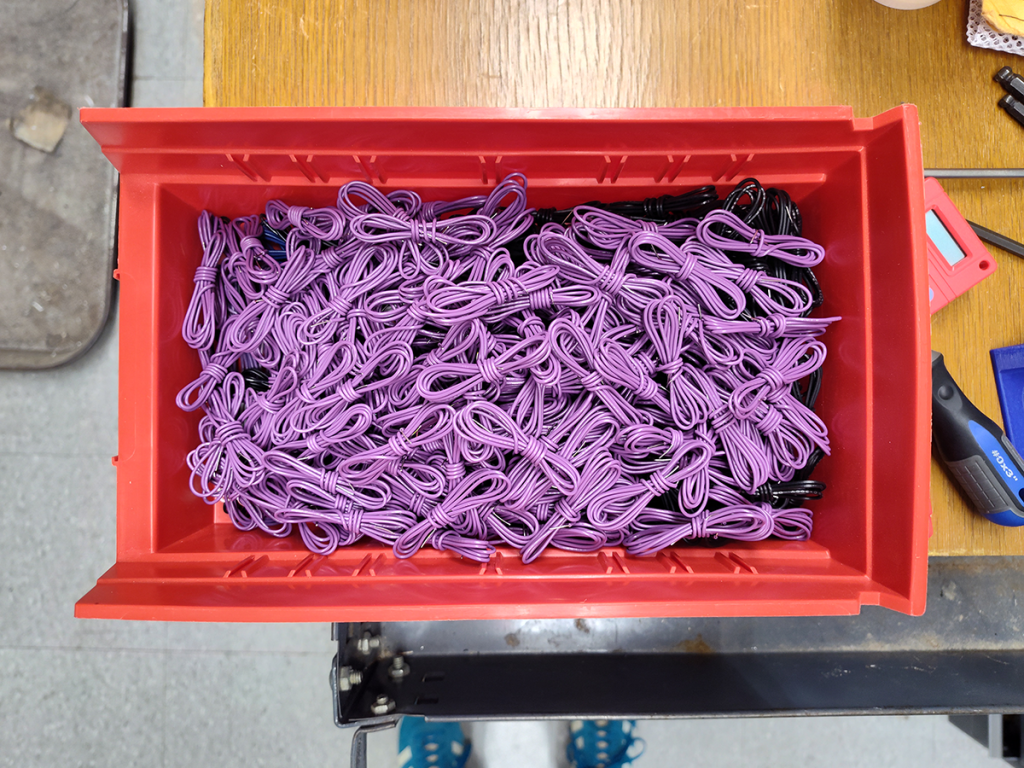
x=957 y=259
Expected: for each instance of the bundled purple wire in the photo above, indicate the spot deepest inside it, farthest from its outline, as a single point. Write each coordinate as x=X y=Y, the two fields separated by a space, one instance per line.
x=451 y=374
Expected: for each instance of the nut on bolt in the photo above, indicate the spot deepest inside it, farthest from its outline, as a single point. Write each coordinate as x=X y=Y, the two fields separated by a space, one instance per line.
x=367 y=643
x=399 y=669
x=383 y=705
x=349 y=678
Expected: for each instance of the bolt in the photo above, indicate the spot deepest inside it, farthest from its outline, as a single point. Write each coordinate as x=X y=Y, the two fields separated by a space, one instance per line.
x=349 y=678
x=383 y=705
x=367 y=643
x=399 y=668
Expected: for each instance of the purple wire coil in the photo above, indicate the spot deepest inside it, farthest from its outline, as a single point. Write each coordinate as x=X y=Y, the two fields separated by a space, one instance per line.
x=428 y=374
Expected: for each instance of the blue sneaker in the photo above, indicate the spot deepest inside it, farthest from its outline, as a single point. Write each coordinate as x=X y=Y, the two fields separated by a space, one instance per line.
x=602 y=743
x=431 y=745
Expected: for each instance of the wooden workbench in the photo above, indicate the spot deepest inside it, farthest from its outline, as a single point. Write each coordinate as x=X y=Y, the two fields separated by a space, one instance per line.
x=673 y=53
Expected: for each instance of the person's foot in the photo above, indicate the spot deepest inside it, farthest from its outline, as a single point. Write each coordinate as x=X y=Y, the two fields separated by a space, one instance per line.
x=431 y=745
x=602 y=743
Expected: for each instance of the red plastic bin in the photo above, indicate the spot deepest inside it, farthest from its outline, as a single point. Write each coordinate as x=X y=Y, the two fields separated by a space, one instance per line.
x=859 y=185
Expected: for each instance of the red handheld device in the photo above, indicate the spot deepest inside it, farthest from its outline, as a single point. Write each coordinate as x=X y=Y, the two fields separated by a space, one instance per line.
x=957 y=259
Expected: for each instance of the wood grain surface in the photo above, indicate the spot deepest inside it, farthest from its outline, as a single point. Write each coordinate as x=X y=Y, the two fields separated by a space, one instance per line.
x=674 y=53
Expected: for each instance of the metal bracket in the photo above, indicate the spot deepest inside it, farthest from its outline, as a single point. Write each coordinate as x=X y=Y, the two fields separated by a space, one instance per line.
x=1003 y=734
x=357 y=757
x=364 y=674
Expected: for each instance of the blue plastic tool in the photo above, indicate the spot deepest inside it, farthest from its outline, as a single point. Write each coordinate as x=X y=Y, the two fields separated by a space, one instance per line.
x=1008 y=368
x=975 y=451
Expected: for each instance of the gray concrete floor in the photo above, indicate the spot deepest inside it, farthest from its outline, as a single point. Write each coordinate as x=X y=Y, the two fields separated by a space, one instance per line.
x=119 y=693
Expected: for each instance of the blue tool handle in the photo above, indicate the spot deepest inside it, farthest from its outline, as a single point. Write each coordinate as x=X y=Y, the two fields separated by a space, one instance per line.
x=975 y=451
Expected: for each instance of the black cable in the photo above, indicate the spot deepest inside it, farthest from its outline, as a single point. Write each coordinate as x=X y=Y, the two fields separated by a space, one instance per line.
x=668 y=207
x=806 y=390
x=747 y=201
x=751 y=211
x=816 y=455
x=783 y=495
x=273 y=240
x=257 y=379
x=789 y=493
x=781 y=215
x=665 y=208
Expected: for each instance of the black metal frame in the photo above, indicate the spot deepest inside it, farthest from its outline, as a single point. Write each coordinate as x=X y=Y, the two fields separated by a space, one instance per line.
x=965 y=656
x=532 y=686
